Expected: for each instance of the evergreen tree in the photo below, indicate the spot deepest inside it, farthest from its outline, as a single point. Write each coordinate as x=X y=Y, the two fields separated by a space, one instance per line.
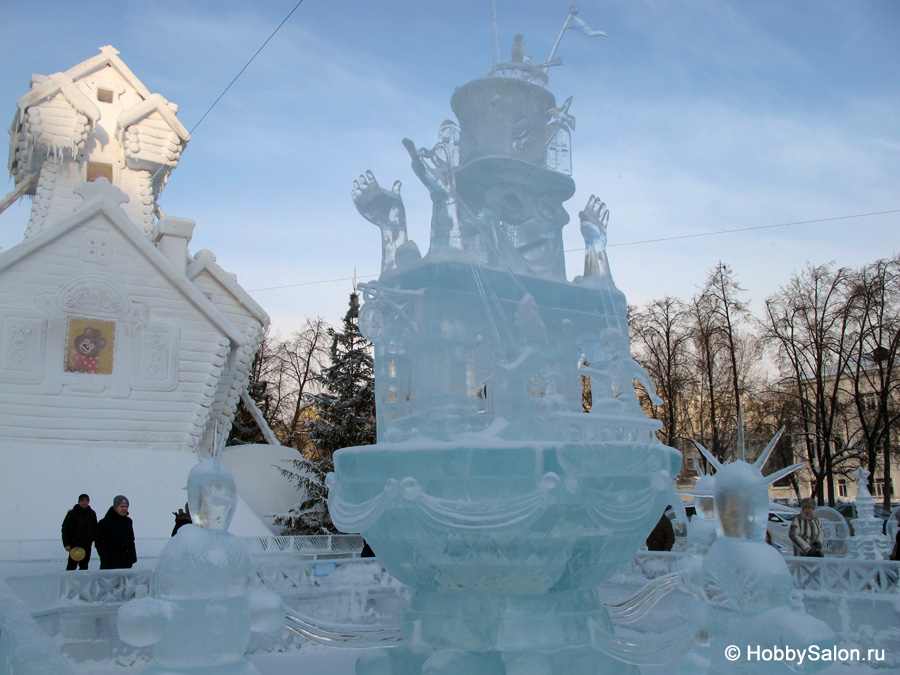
x=310 y=516
x=345 y=416
x=346 y=406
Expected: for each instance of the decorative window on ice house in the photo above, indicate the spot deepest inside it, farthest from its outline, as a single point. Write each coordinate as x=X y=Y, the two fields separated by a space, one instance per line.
x=97 y=170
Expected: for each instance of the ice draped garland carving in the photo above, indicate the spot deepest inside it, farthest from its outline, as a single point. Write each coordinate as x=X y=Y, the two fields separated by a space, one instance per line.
x=497 y=516
x=446 y=515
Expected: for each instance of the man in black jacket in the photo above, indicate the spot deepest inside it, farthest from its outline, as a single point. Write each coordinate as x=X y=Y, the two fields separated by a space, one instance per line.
x=78 y=532
x=115 y=537
x=662 y=538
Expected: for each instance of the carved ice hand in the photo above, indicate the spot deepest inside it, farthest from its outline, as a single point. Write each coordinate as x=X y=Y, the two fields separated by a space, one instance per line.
x=385 y=209
x=594 y=219
x=377 y=205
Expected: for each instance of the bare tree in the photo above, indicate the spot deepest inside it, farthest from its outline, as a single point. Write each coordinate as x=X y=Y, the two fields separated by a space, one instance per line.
x=808 y=321
x=282 y=377
x=299 y=361
x=708 y=363
x=872 y=376
x=661 y=340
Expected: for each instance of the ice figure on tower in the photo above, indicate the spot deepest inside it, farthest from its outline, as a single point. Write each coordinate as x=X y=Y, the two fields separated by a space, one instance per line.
x=743 y=586
x=204 y=611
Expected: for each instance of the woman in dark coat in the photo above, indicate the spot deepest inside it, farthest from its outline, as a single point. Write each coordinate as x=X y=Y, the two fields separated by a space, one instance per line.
x=114 y=539
x=78 y=531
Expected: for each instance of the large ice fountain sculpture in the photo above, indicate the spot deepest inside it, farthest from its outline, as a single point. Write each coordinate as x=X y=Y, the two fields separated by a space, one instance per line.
x=200 y=621
x=491 y=492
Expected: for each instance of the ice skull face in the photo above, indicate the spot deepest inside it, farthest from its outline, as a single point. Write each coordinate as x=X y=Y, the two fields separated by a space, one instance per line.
x=212 y=495
x=530 y=226
x=741 y=502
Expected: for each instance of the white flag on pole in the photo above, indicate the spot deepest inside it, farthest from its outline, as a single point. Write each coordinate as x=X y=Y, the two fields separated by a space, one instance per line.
x=582 y=27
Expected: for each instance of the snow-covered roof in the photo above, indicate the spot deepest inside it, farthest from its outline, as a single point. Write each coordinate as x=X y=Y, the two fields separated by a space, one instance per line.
x=60 y=83
x=108 y=56
x=100 y=197
x=154 y=103
x=205 y=260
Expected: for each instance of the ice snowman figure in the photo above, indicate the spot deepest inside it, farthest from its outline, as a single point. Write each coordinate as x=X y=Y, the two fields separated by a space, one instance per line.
x=204 y=610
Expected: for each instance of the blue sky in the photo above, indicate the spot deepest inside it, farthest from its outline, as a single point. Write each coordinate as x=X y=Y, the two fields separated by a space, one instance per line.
x=693 y=117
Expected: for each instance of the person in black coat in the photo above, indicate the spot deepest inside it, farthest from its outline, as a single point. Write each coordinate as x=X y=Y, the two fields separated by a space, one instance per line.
x=663 y=536
x=182 y=518
x=78 y=531
x=114 y=539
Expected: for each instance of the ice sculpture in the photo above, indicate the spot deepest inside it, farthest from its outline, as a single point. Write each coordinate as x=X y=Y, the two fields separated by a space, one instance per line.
x=744 y=590
x=491 y=492
x=868 y=540
x=204 y=610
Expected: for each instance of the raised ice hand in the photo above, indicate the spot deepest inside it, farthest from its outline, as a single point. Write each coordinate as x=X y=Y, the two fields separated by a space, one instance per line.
x=377 y=205
x=594 y=219
x=385 y=209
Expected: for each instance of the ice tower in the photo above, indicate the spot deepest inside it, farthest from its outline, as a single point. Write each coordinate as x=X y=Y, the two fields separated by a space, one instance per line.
x=491 y=491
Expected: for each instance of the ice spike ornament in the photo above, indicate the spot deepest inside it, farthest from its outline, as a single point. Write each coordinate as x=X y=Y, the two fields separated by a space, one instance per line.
x=204 y=609
x=491 y=492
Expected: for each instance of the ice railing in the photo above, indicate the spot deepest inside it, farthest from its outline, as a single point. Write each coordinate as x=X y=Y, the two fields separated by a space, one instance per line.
x=306 y=546
x=834 y=575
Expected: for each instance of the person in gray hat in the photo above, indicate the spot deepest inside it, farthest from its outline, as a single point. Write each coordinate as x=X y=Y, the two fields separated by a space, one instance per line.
x=114 y=539
x=806 y=531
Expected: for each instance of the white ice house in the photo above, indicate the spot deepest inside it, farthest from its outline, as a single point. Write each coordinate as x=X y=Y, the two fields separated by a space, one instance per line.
x=120 y=351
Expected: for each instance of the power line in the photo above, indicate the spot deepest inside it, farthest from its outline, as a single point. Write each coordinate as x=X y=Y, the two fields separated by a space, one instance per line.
x=627 y=243
x=246 y=65
x=747 y=229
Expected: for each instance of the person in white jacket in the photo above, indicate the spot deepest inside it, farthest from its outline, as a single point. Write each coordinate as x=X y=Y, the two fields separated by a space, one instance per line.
x=806 y=531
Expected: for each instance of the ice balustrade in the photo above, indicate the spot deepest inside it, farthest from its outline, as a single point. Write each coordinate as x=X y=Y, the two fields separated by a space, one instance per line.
x=78 y=609
x=312 y=546
x=289 y=577
x=314 y=588
x=831 y=575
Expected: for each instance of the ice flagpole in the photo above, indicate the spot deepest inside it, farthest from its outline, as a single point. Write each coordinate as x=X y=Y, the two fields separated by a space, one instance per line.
x=572 y=22
x=496 y=32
